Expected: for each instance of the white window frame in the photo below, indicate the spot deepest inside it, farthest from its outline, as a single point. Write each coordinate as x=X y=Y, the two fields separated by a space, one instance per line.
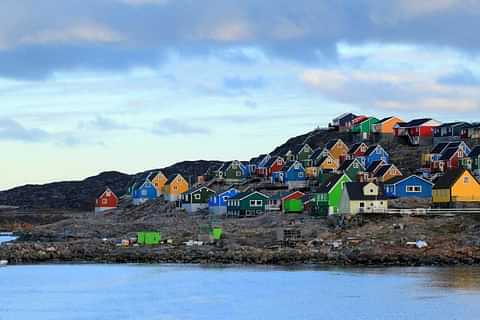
x=413 y=188
x=197 y=196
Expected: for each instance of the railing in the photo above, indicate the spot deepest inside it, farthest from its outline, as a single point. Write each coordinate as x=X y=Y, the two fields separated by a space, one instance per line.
x=423 y=211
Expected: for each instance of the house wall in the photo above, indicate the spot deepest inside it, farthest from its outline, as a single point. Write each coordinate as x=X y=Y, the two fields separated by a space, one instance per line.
x=400 y=189
x=369 y=206
x=194 y=207
x=466 y=190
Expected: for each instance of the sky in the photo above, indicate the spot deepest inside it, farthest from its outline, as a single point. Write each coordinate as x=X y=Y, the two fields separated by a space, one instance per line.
x=96 y=85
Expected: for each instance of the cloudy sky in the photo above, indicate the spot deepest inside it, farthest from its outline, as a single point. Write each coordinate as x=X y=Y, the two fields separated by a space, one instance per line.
x=129 y=85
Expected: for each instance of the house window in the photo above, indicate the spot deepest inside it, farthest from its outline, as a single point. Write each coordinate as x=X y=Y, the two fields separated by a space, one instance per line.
x=355 y=165
x=414 y=188
x=465 y=180
x=239 y=174
x=362 y=204
x=197 y=196
x=256 y=203
x=300 y=174
x=378 y=151
x=225 y=198
x=144 y=192
x=104 y=201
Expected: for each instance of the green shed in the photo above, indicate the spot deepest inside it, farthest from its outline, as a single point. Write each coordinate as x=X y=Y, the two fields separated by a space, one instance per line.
x=365 y=126
x=293 y=206
x=148 y=237
x=329 y=194
x=217 y=233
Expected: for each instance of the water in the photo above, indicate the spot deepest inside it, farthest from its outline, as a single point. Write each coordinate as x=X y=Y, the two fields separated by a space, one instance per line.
x=190 y=292
x=6 y=239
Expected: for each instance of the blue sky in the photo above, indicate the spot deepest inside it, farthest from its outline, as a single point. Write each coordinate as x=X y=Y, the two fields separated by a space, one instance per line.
x=94 y=85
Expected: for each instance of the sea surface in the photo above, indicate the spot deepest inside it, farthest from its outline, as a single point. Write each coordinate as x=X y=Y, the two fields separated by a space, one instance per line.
x=168 y=292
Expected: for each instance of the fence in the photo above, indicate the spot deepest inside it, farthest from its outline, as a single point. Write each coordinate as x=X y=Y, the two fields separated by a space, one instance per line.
x=426 y=211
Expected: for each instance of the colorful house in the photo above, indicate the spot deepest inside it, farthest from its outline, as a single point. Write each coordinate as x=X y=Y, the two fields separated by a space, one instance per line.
x=450 y=130
x=158 y=179
x=343 y=122
x=275 y=164
x=433 y=160
x=217 y=204
x=456 y=187
x=293 y=175
x=386 y=125
x=247 y=204
x=474 y=157
x=108 y=200
x=196 y=199
x=261 y=169
x=352 y=168
x=451 y=159
x=471 y=131
x=365 y=126
x=375 y=153
x=175 y=186
x=357 y=150
x=386 y=172
x=233 y=171
x=324 y=160
x=360 y=197
x=416 y=129
x=337 y=149
x=303 y=153
x=408 y=187
x=144 y=192
x=286 y=202
x=330 y=192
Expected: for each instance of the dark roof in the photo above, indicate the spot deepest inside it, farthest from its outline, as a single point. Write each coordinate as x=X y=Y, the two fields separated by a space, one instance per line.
x=245 y=194
x=355 y=192
x=172 y=177
x=383 y=170
x=453 y=124
x=347 y=163
x=354 y=147
x=416 y=122
x=396 y=180
x=374 y=165
x=448 y=153
x=331 y=143
x=290 y=163
x=448 y=179
x=384 y=119
x=296 y=149
x=329 y=183
x=371 y=149
x=271 y=162
x=258 y=159
x=439 y=147
x=316 y=153
x=475 y=152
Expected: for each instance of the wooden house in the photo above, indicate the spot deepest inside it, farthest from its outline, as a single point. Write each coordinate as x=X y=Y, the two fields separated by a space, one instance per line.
x=303 y=153
x=408 y=187
x=233 y=171
x=144 y=192
x=416 y=129
x=275 y=164
x=277 y=202
x=217 y=204
x=175 y=186
x=324 y=161
x=247 y=204
x=360 y=197
x=158 y=179
x=375 y=153
x=329 y=194
x=450 y=130
x=343 y=122
x=451 y=159
x=474 y=163
x=456 y=187
x=386 y=125
x=352 y=168
x=357 y=150
x=337 y=149
x=261 y=169
x=433 y=161
x=108 y=200
x=471 y=131
x=365 y=127
x=357 y=120
x=196 y=199
x=293 y=175
x=385 y=173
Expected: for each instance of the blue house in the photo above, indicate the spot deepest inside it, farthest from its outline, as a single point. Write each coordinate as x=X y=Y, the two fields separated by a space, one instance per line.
x=375 y=153
x=293 y=175
x=218 y=203
x=408 y=187
x=144 y=192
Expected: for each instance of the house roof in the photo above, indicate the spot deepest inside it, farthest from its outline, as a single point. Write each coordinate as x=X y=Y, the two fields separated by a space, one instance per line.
x=374 y=165
x=396 y=180
x=383 y=170
x=343 y=115
x=195 y=189
x=355 y=192
x=105 y=191
x=170 y=180
x=245 y=194
x=439 y=147
x=448 y=179
x=415 y=122
x=331 y=143
x=371 y=149
x=355 y=147
x=316 y=153
x=290 y=163
x=453 y=124
x=448 y=153
x=347 y=163
x=296 y=149
x=326 y=186
x=475 y=152
x=271 y=161
x=385 y=119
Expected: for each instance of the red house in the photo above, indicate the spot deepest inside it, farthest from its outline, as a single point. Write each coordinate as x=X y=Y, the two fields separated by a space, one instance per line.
x=108 y=200
x=357 y=150
x=275 y=164
x=451 y=159
x=416 y=129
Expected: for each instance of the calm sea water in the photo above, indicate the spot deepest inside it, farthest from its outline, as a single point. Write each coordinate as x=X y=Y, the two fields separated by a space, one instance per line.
x=192 y=292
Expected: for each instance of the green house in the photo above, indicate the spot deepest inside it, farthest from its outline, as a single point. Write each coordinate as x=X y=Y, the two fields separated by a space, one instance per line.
x=247 y=204
x=303 y=153
x=352 y=168
x=148 y=238
x=196 y=199
x=365 y=126
x=329 y=194
x=293 y=206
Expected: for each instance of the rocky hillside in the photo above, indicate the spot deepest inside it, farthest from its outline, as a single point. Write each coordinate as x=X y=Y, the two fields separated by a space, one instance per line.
x=80 y=195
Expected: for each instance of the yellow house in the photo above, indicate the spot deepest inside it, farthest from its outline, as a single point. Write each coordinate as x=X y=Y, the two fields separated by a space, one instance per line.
x=337 y=149
x=174 y=187
x=158 y=179
x=312 y=172
x=328 y=163
x=456 y=186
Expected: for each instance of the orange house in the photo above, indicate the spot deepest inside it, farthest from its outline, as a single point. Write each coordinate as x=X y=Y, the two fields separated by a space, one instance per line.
x=337 y=149
x=387 y=172
x=158 y=179
x=327 y=163
x=386 y=125
x=456 y=186
x=312 y=172
x=174 y=187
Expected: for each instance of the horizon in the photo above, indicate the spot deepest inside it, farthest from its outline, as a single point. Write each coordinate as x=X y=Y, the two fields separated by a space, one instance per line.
x=130 y=85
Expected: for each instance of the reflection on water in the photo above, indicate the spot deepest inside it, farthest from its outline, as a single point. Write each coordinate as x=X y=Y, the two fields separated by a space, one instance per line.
x=6 y=239
x=237 y=293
